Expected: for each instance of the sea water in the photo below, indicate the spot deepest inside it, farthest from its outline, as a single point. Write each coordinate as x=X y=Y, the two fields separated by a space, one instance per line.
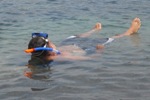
x=120 y=72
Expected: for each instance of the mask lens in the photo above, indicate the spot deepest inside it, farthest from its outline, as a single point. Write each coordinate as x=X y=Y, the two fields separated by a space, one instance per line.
x=45 y=35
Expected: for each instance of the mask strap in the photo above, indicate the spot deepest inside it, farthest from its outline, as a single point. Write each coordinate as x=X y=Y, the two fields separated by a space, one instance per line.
x=46 y=42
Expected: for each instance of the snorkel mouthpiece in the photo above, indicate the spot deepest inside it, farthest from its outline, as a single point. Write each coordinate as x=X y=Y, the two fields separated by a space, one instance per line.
x=41 y=49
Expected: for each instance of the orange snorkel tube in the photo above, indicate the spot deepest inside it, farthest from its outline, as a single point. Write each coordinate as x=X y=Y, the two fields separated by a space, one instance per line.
x=29 y=50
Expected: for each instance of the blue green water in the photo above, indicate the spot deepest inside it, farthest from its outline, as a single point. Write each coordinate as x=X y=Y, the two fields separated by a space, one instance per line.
x=121 y=72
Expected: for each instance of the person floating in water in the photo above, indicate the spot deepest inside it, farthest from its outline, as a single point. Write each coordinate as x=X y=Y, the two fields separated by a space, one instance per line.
x=76 y=47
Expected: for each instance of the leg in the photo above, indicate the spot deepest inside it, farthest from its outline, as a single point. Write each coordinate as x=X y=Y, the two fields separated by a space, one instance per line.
x=96 y=28
x=135 y=26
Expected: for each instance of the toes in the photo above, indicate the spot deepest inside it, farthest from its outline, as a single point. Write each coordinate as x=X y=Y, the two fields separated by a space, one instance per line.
x=98 y=26
x=137 y=20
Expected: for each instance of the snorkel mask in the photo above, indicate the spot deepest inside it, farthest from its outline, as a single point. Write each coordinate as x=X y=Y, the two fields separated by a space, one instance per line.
x=45 y=37
x=41 y=34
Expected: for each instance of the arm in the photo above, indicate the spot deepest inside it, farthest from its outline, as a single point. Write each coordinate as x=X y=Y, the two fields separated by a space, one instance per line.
x=69 y=56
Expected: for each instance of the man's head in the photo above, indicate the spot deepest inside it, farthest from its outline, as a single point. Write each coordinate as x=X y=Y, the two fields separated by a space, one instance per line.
x=38 y=42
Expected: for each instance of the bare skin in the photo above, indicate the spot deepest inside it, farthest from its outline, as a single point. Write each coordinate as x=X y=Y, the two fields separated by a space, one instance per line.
x=135 y=26
x=133 y=29
x=76 y=53
x=72 y=52
x=96 y=28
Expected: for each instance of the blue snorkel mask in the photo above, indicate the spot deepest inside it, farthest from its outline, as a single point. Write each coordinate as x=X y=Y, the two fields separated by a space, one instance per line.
x=41 y=34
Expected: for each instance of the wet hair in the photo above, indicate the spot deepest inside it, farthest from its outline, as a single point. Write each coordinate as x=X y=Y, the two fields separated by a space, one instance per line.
x=37 y=42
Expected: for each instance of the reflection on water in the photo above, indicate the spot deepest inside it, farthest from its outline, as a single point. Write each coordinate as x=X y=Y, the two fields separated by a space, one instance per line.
x=36 y=73
x=39 y=72
x=135 y=38
x=39 y=69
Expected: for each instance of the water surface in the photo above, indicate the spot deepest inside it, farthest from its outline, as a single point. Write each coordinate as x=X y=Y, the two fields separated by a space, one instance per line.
x=121 y=72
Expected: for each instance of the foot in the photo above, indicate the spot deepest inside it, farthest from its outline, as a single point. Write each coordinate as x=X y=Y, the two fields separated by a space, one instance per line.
x=98 y=26
x=135 y=26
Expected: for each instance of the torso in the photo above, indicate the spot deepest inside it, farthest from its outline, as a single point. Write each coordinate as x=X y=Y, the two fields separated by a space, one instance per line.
x=72 y=49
